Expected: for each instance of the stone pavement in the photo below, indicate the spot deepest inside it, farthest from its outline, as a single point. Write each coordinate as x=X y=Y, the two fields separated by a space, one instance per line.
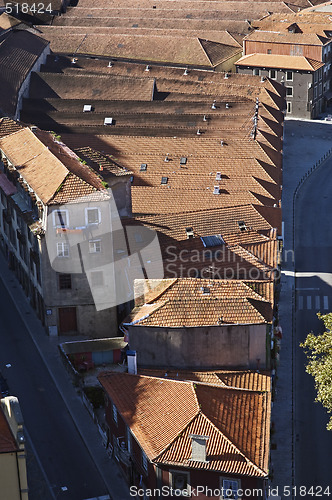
x=48 y=349
x=305 y=142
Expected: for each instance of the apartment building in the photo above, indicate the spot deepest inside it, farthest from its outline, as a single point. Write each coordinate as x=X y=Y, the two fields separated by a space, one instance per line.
x=171 y=436
x=46 y=194
x=294 y=50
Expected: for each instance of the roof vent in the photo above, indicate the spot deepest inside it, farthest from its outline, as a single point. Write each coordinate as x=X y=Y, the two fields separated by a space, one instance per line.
x=198 y=132
x=218 y=176
x=205 y=118
x=226 y=76
x=220 y=320
x=147 y=68
x=216 y=190
x=262 y=79
x=143 y=167
x=74 y=60
x=164 y=180
x=87 y=108
x=167 y=158
x=189 y=232
x=110 y=64
x=222 y=143
x=205 y=290
x=108 y=121
x=242 y=225
x=214 y=105
x=227 y=105
x=186 y=72
x=198 y=448
x=183 y=160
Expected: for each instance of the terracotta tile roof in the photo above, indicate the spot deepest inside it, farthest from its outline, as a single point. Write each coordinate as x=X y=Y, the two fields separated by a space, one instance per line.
x=192 y=288
x=197 y=302
x=280 y=61
x=199 y=26
x=146 y=403
x=149 y=48
x=293 y=38
x=19 y=51
x=8 y=126
x=162 y=414
x=49 y=167
x=244 y=379
x=308 y=22
x=48 y=85
x=219 y=36
x=96 y=160
x=27 y=153
x=7 y=440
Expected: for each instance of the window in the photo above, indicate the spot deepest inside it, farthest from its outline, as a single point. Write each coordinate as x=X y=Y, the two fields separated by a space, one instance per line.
x=180 y=481
x=64 y=281
x=255 y=71
x=289 y=91
x=114 y=414
x=94 y=246
x=289 y=76
x=289 y=107
x=273 y=74
x=144 y=461
x=62 y=250
x=229 y=488
x=269 y=51
x=97 y=278
x=60 y=218
x=92 y=216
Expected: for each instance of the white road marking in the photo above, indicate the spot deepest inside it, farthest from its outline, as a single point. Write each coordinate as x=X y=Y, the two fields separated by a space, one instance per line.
x=309 y=302
x=326 y=302
x=301 y=302
x=317 y=302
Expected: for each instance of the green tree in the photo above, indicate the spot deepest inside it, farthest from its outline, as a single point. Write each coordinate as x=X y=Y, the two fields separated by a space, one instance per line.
x=318 y=349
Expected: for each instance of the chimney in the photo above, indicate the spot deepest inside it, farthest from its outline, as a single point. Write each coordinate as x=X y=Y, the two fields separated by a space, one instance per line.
x=132 y=362
x=198 y=446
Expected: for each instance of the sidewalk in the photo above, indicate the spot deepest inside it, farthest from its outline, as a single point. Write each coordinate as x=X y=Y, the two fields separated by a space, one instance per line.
x=305 y=142
x=48 y=349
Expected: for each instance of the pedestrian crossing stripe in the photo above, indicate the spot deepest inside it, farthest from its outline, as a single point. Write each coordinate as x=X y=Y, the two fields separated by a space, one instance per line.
x=315 y=302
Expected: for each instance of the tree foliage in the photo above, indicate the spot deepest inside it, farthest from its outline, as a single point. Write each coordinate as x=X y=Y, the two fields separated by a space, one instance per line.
x=318 y=349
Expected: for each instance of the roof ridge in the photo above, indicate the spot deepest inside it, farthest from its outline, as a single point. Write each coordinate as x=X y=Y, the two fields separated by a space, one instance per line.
x=204 y=50
x=176 y=437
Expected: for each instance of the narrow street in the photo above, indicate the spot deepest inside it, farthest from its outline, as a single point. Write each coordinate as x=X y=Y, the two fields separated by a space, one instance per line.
x=70 y=471
x=313 y=262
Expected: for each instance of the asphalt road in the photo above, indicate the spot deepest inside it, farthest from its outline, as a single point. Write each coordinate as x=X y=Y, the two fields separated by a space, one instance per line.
x=60 y=449
x=313 y=258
